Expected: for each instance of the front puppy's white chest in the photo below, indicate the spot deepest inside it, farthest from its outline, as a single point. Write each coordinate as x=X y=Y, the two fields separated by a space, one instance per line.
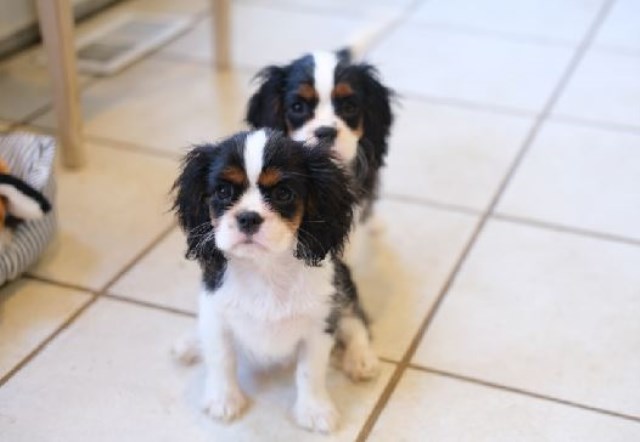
x=269 y=341
x=268 y=315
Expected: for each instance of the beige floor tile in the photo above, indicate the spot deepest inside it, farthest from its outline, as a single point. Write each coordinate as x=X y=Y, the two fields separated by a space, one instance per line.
x=579 y=177
x=164 y=277
x=164 y=105
x=548 y=312
x=108 y=211
x=430 y=407
x=401 y=270
x=449 y=154
x=29 y=312
x=620 y=30
x=113 y=370
x=605 y=88
x=475 y=68
x=397 y=286
x=565 y=22
x=281 y=35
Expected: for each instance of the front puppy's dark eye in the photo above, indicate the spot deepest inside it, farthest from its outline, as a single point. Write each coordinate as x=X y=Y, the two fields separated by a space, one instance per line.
x=298 y=107
x=223 y=192
x=349 y=109
x=282 y=195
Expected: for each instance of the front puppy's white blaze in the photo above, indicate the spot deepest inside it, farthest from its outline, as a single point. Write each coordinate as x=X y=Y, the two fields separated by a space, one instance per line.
x=346 y=143
x=254 y=155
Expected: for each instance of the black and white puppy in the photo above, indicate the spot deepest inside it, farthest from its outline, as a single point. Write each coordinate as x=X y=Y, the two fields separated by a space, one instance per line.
x=267 y=219
x=328 y=96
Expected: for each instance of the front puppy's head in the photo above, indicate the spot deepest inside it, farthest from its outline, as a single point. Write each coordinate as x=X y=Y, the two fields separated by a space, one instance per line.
x=324 y=97
x=260 y=194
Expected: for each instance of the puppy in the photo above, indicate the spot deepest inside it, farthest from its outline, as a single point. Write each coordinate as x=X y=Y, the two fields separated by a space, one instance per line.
x=329 y=97
x=267 y=219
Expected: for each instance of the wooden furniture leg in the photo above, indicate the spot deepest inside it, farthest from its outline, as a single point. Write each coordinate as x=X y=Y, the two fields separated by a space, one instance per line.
x=221 y=33
x=56 y=26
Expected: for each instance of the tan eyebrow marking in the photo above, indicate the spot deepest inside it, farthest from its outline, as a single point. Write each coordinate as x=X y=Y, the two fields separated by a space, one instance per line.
x=269 y=177
x=307 y=92
x=342 y=90
x=234 y=175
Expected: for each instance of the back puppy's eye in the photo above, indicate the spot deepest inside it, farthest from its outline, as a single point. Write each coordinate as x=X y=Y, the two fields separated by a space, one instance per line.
x=282 y=194
x=223 y=192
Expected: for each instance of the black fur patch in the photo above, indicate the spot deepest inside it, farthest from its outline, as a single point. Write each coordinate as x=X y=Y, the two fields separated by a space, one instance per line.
x=345 y=299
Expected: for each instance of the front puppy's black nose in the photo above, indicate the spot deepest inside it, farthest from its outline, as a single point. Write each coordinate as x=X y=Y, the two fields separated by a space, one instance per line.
x=326 y=133
x=249 y=222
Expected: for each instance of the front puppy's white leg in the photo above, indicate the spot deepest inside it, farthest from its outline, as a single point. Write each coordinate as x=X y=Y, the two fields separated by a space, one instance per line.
x=314 y=409
x=223 y=398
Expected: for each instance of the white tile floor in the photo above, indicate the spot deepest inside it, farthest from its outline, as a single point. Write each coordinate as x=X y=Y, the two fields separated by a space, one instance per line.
x=504 y=288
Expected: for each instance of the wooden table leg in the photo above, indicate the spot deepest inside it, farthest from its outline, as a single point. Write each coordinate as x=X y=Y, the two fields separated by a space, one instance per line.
x=221 y=33
x=56 y=26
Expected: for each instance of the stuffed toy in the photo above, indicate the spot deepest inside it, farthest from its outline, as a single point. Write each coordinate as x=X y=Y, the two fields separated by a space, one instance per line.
x=18 y=202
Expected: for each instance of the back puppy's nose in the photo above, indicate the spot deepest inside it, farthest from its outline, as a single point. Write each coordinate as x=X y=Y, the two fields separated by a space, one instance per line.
x=326 y=133
x=249 y=222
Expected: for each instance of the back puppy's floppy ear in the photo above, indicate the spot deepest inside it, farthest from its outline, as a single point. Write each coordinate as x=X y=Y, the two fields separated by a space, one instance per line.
x=377 y=112
x=328 y=214
x=266 y=106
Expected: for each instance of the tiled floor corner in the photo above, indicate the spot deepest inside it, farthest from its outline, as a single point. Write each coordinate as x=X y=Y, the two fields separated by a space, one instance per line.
x=579 y=177
x=534 y=336
x=557 y=310
x=146 y=383
x=109 y=212
x=431 y=407
x=463 y=154
x=29 y=312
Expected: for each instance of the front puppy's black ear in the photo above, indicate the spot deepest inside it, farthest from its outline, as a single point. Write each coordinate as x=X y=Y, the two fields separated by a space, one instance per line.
x=191 y=203
x=378 y=116
x=266 y=106
x=328 y=213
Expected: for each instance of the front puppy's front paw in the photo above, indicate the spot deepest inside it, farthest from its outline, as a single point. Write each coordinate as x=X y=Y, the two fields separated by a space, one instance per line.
x=225 y=406
x=316 y=415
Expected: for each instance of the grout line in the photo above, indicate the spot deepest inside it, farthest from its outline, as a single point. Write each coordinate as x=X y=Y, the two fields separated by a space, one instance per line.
x=523 y=392
x=594 y=124
x=150 y=305
x=586 y=233
x=20 y=365
x=94 y=297
x=497 y=35
x=58 y=283
x=427 y=202
x=165 y=233
x=406 y=359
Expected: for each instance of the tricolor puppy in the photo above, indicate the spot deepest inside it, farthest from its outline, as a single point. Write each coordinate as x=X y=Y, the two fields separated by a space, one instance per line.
x=328 y=97
x=267 y=219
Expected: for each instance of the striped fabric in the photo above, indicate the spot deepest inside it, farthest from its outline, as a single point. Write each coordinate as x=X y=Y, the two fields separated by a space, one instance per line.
x=30 y=158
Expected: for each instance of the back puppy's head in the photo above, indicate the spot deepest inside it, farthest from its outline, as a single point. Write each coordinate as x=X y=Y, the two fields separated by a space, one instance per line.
x=322 y=96
x=260 y=193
